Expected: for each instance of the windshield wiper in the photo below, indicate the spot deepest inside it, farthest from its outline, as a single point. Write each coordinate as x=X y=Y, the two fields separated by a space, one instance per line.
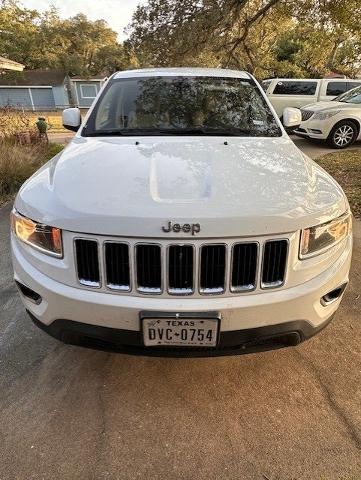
x=231 y=131
x=234 y=131
x=114 y=132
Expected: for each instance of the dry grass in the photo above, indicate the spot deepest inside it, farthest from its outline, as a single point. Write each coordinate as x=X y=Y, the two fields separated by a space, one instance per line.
x=19 y=162
x=345 y=167
x=54 y=120
x=13 y=121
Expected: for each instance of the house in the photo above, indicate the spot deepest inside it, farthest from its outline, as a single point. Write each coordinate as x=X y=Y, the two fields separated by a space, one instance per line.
x=6 y=64
x=44 y=90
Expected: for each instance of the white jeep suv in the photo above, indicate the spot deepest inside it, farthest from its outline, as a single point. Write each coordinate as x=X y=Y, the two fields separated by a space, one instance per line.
x=181 y=220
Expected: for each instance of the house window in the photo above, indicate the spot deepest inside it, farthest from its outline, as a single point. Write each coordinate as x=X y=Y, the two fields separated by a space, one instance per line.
x=88 y=90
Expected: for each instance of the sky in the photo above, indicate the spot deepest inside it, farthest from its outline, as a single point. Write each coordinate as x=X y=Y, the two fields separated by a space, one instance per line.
x=116 y=12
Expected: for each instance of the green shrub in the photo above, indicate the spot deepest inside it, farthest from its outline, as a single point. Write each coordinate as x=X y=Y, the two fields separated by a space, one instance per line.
x=19 y=162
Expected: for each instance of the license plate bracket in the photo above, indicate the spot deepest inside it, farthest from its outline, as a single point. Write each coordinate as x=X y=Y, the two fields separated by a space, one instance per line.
x=180 y=329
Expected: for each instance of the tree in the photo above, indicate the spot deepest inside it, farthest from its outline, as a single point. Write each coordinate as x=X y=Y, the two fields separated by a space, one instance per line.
x=18 y=32
x=266 y=37
x=169 y=32
x=75 y=45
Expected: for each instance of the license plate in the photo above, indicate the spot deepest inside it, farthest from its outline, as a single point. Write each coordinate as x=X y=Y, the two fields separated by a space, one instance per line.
x=190 y=332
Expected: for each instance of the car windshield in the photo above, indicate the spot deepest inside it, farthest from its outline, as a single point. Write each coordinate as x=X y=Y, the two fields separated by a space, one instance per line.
x=352 y=96
x=182 y=106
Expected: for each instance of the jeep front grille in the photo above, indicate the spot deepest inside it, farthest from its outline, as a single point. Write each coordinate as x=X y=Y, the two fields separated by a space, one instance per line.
x=181 y=269
x=149 y=268
x=274 y=263
x=213 y=269
x=117 y=266
x=244 y=266
x=87 y=262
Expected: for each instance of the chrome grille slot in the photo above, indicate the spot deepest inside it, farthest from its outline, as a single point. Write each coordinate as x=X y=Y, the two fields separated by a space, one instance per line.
x=87 y=262
x=149 y=268
x=180 y=269
x=244 y=267
x=306 y=114
x=117 y=266
x=213 y=269
x=274 y=263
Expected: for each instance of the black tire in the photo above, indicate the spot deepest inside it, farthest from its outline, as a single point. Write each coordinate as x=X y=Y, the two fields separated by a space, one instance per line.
x=343 y=134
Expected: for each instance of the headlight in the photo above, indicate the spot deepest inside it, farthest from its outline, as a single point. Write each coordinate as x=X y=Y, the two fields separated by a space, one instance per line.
x=42 y=237
x=325 y=115
x=316 y=240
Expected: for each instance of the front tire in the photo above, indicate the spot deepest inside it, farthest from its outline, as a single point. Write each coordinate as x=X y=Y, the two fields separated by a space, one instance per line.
x=343 y=134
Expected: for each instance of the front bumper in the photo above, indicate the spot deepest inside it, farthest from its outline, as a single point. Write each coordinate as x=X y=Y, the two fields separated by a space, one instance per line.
x=230 y=343
x=270 y=319
x=317 y=129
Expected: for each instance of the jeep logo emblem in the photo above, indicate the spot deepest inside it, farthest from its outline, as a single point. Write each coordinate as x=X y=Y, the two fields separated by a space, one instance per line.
x=192 y=228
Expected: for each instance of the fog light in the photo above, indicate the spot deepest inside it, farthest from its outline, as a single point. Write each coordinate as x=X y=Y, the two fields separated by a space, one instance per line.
x=332 y=296
x=29 y=293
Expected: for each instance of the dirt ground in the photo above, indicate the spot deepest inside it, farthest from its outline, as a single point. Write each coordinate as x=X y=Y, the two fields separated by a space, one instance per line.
x=71 y=413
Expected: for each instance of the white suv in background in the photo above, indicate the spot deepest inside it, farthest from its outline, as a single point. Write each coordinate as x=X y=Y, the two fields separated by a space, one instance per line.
x=181 y=220
x=292 y=92
x=338 y=121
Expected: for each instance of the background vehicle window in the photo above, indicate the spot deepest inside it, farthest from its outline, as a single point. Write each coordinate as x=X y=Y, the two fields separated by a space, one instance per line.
x=352 y=96
x=336 y=88
x=295 y=88
x=351 y=85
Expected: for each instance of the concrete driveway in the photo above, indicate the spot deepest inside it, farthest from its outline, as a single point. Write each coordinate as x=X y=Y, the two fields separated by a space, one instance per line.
x=72 y=413
x=315 y=149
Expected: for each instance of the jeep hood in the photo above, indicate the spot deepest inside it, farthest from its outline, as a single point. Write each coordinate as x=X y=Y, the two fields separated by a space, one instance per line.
x=230 y=186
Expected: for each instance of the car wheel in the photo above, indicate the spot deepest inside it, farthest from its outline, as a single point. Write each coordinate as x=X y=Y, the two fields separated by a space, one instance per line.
x=343 y=134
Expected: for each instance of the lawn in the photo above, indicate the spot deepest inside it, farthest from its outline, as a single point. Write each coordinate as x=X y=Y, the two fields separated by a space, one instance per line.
x=345 y=167
x=19 y=162
x=54 y=120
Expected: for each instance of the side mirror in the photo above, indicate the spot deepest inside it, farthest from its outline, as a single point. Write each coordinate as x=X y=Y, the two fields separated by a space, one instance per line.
x=292 y=117
x=71 y=119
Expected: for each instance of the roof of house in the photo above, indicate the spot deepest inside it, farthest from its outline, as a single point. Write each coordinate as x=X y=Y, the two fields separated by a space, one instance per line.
x=7 y=64
x=41 y=78
x=98 y=78
x=33 y=77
